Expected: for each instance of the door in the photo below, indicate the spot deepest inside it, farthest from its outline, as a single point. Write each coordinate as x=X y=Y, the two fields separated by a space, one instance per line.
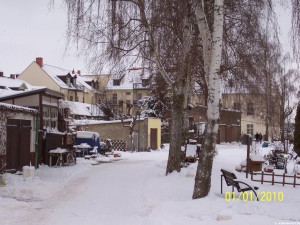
x=18 y=144
x=153 y=138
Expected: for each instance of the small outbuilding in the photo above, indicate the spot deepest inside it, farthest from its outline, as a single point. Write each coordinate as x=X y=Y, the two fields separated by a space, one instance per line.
x=18 y=129
x=146 y=134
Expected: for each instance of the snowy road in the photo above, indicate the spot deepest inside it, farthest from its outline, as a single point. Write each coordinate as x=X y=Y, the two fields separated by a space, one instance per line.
x=105 y=194
x=135 y=191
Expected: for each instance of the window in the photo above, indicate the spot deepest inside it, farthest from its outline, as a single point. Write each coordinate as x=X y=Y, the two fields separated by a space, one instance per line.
x=145 y=82
x=116 y=82
x=128 y=103
x=46 y=117
x=53 y=124
x=139 y=96
x=68 y=81
x=250 y=129
x=237 y=106
x=46 y=112
x=115 y=99
x=71 y=98
x=54 y=113
x=191 y=123
x=128 y=93
x=250 y=109
x=54 y=117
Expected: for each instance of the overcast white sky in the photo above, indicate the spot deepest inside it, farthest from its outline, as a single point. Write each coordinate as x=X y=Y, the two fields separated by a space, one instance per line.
x=28 y=29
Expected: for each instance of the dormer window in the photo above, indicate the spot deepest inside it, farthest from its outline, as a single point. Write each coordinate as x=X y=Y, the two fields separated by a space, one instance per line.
x=74 y=80
x=116 y=82
x=68 y=80
x=145 y=82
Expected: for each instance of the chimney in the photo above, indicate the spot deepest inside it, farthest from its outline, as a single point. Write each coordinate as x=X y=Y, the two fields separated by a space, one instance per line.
x=78 y=72
x=39 y=61
x=1 y=74
x=13 y=76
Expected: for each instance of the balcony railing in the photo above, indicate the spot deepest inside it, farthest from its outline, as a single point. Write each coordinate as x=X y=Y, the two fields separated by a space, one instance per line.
x=141 y=86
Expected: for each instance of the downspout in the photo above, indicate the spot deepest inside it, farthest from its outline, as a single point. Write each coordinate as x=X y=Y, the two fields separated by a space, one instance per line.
x=37 y=124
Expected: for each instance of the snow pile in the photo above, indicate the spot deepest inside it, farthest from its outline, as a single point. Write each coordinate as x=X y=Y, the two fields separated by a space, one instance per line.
x=58 y=150
x=257 y=158
x=87 y=134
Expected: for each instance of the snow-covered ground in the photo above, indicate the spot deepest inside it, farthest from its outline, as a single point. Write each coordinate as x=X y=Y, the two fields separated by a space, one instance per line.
x=134 y=190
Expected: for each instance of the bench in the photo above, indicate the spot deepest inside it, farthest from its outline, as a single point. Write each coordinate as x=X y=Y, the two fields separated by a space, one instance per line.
x=231 y=180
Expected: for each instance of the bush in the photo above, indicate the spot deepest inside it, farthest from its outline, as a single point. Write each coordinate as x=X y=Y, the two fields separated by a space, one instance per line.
x=297 y=132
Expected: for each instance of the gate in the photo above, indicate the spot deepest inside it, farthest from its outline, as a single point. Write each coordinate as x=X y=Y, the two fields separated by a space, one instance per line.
x=18 y=144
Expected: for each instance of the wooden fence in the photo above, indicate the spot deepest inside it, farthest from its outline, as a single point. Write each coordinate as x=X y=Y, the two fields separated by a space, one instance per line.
x=119 y=145
x=276 y=178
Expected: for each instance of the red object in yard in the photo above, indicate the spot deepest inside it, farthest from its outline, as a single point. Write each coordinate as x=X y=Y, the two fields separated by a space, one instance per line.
x=116 y=155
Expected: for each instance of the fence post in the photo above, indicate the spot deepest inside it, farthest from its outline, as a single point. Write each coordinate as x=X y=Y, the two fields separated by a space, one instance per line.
x=248 y=156
x=283 y=179
x=273 y=178
x=262 y=177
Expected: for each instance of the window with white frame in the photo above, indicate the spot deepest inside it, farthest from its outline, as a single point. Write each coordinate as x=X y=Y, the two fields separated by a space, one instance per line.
x=115 y=99
x=250 y=129
x=250 y=109
x=50 y=117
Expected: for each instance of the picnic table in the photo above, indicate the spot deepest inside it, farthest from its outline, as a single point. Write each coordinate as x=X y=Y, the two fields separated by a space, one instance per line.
x=60 y=155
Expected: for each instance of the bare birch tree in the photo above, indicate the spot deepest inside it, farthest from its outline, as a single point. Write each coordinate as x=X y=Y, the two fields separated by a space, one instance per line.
x=212 y=54
x=177 y=38
x=296 y=28
x=242 y=23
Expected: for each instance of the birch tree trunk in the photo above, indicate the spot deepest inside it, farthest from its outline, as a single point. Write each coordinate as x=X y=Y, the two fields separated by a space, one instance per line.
x=212 y=50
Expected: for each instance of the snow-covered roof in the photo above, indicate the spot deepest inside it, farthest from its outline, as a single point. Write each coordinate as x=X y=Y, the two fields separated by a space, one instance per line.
x=9 y=86
x=54 y=72
x=89 y=122
x=87 y=134
x=128 y=78
x=7 y=91
x=18 y=108
x=37 y=89
x=81 y=109
x=14 y=83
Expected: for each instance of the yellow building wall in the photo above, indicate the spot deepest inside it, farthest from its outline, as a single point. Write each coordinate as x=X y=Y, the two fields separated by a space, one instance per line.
x=156 y=124
x=36 y=76
x=88 y=96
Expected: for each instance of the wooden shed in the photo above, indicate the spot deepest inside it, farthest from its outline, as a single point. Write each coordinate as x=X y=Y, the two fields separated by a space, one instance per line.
x=17 y=136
